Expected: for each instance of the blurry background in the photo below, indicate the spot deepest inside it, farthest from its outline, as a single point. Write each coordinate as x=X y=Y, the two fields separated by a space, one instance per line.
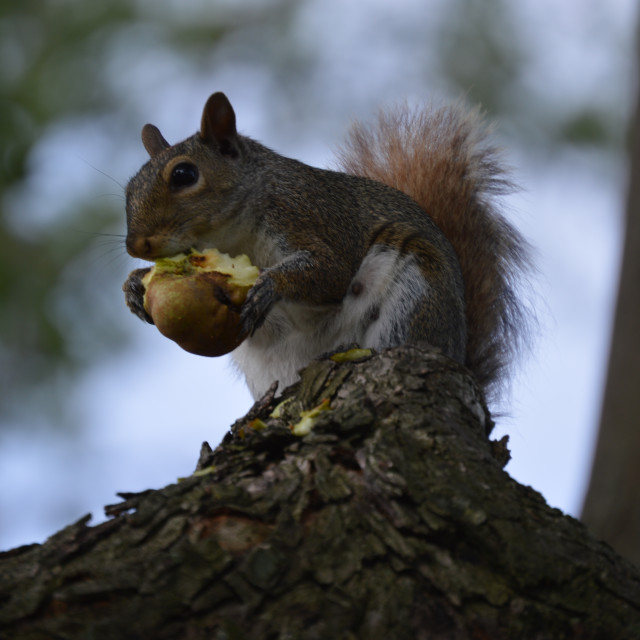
x=92 y=400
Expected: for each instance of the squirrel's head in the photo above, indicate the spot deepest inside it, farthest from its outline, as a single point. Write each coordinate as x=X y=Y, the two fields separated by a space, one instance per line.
x=183 y=192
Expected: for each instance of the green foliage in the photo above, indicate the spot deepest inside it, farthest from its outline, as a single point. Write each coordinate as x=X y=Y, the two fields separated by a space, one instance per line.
x=55 y=56
x=480 y=55
x=52 y=55
x=588 y=127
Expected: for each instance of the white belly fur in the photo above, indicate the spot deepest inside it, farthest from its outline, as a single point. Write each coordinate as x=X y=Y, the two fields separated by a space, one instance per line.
x=374 y=313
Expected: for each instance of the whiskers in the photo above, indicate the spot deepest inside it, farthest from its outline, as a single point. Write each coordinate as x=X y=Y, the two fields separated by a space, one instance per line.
x=106 y=175
x=110 y=248
x=104 y=250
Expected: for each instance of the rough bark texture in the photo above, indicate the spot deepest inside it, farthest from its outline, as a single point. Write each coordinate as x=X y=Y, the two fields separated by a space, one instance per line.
x=392 y=518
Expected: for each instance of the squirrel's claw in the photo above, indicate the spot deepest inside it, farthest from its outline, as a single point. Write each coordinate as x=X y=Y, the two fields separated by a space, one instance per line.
x=261 y=297
x=134 y=294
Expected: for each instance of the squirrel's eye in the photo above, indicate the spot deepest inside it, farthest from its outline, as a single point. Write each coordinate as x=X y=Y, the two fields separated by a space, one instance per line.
x=183 y=175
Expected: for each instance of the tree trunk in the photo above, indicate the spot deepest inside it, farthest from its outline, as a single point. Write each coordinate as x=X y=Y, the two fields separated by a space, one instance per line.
x=612 y=507
x=391 y=518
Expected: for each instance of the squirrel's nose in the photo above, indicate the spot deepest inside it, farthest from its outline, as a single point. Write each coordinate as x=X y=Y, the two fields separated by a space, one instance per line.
x=152 y=247
x=143 y=247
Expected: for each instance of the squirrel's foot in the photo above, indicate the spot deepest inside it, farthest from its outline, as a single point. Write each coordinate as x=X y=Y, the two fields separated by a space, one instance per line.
x=261 y=297
x=134 y=294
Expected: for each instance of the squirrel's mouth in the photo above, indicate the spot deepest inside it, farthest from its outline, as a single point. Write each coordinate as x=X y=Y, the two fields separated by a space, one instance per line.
x=154 y=247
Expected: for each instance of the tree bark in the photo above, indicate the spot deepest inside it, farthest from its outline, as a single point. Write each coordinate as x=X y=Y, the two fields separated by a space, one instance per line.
x=391 y=518
x=612 y=508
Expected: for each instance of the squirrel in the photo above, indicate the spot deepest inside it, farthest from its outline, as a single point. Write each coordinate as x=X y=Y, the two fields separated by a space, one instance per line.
x=404 y=245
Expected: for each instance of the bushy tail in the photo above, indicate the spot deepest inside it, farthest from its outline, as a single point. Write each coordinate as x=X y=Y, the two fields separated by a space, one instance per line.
x=442 y=159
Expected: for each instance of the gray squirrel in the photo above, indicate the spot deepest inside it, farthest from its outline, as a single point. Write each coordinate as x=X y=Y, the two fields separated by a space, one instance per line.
x=404 y=246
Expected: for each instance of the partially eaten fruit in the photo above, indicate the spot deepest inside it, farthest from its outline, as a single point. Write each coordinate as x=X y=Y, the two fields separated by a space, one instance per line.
x=194 y=299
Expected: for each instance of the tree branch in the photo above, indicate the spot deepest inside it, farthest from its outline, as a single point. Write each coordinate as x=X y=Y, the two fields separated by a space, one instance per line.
x=391 y=518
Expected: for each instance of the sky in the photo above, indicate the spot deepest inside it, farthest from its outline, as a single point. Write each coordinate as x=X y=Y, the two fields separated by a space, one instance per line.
x=145 y=412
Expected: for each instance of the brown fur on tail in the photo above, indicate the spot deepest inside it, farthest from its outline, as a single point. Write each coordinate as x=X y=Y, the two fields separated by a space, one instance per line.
x=441 y=158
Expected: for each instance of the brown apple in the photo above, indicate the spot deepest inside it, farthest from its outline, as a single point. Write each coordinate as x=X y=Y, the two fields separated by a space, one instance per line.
x=195 y=299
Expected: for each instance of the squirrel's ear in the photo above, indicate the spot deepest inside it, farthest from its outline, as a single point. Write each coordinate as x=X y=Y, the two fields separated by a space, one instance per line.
x=152 y=140
x=219 y=123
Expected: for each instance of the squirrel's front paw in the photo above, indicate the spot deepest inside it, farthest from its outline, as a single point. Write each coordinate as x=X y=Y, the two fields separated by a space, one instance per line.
x=261 y=297
x=134 y=294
